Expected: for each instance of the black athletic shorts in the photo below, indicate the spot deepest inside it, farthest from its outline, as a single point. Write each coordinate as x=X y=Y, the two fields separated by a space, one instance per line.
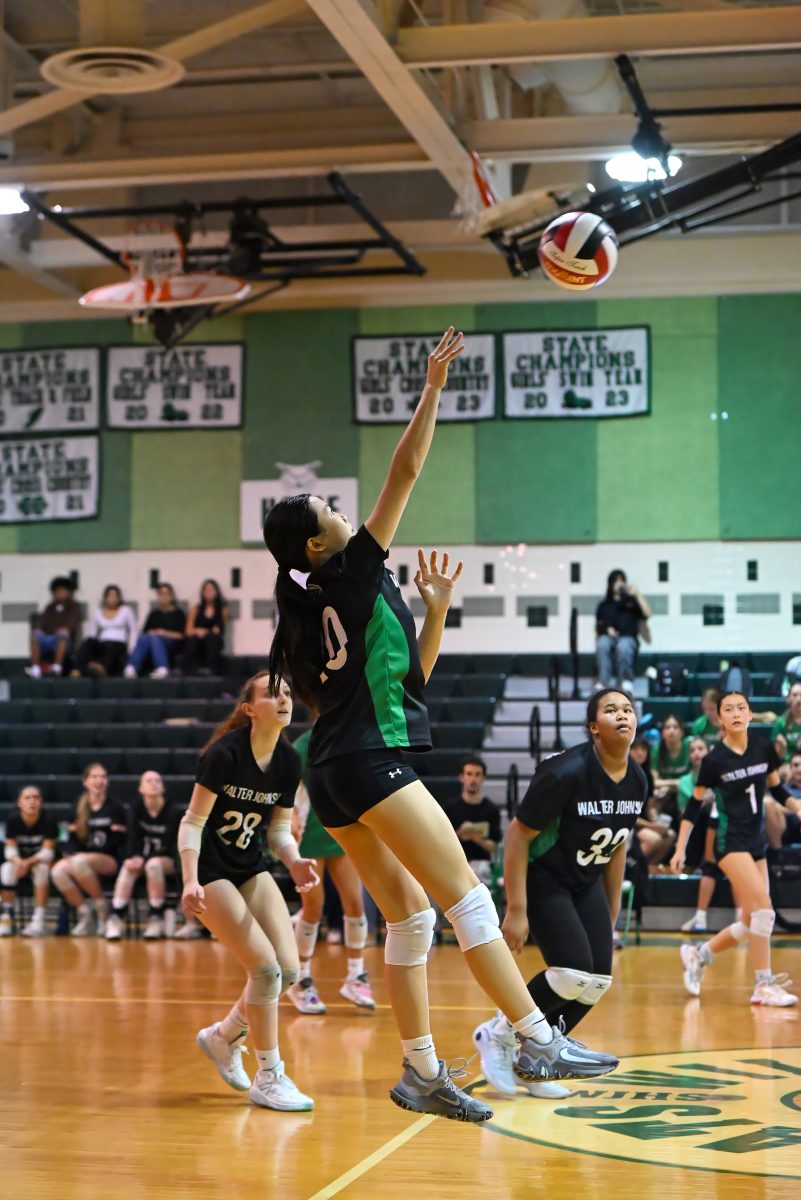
x=732 y=843
x=209 y=874
x=344 y=788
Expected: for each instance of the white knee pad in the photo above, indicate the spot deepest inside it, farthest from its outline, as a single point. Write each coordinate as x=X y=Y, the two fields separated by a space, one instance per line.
x=154 y=869
x=264 y=985
x=289 y=975
x=738 y=931
x=40 y=874
x=762 y=922
x=355 y=932
x=595 y=989
x=566 y=982
x=475 y=919
x=79 y=868
x=408 y=942
x=8 y=874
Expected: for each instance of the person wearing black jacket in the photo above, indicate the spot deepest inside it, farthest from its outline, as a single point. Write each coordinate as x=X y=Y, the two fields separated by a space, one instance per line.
x=617 y=624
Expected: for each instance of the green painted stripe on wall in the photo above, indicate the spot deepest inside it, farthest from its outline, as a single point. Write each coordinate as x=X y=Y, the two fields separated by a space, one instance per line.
x=186 y=489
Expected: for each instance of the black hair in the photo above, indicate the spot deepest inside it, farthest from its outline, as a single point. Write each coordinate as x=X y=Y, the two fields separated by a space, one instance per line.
x=644 y=743
x=112 y=587
x=726 y=695
x=662 y=754
x=595 y=700
x=219 y=599
x=473 y=760
x=62 y=581
x=612 y=579
x=163 y=584
x=297 y=651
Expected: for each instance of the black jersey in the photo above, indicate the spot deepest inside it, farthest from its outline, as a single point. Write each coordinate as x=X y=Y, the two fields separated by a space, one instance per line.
x=233 y=840
x=582 y=815
x=152 y=837
x=739 y=781
x=106 y=829
x=29 y=839
x=371 y=696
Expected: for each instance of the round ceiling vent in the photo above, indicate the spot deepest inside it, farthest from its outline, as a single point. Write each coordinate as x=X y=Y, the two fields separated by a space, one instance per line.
x=112 y=69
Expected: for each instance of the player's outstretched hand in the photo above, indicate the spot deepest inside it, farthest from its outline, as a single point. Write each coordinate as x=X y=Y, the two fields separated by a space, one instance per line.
x=192 y=899
x=450 y=347
x=304 y=875
x=434 y=583
x=515 y=930
x=677 y=863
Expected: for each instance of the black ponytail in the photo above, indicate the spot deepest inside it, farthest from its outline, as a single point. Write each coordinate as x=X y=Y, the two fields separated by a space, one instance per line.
x=296 y=653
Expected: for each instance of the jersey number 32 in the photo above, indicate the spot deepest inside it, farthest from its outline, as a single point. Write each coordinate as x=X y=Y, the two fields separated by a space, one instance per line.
x=604 y=843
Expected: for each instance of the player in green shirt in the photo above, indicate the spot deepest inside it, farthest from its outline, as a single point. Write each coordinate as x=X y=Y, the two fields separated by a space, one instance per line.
x=707 y=725
x=786 y=733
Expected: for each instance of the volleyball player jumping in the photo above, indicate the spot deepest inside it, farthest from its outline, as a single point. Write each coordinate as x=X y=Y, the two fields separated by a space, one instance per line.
x=347 y=641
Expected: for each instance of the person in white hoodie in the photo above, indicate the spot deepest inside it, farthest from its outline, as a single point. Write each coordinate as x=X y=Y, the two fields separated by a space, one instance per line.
x=111 y=636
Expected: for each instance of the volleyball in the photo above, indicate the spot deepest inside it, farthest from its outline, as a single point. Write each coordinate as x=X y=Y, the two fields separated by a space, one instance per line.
x=578 y=251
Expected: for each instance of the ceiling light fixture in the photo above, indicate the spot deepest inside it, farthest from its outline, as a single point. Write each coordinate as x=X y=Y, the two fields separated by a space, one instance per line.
x=630 y=167
x=11 y=202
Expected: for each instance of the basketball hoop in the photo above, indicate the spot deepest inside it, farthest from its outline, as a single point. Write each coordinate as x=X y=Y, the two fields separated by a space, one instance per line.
x=155 y=256
x=475 y=194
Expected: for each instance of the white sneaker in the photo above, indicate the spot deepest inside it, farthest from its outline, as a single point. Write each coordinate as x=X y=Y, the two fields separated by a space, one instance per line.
x=115 y=928
x=358 y=991
x=6 y=927
x=36 y=927
x=274 y=1089
x=226 y=1058
x=696 y=924
x=497 y=1048
x=85 y=926
x=129 y=672
x=188 y=932
x=56 y=669
x=549 y=1089
x=772 y=993
x=159 y=673
x=154 y=930
x=34 y=672
x=693 y=969
x=627 y=685
x=303 y=995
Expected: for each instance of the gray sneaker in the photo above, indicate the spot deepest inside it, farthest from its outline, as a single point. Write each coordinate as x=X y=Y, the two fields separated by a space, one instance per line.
x=601 y=1055
x=562 y=1058
x=438 y=1096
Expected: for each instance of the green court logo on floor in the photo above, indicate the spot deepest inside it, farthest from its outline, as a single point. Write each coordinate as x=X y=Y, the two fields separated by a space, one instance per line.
x=720 y=1110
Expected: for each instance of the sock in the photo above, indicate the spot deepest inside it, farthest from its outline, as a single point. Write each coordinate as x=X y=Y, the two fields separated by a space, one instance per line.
x=305 y=969
x=234 y=1026
x=156 y=910
x=763 y=976
x=700 y=917
x=306 y=938
x=83 y=909
x=39 y=913
x=268 y=1060
x=355 y=968
x=420 y=1053
x=535 y=1026
x=705 y=954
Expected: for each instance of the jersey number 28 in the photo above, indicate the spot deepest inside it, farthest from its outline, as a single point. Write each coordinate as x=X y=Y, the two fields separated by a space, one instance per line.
x=249 y=822
x=604 y=843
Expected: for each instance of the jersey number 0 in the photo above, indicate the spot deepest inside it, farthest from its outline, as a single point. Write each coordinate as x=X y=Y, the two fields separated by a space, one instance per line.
x=333 y=628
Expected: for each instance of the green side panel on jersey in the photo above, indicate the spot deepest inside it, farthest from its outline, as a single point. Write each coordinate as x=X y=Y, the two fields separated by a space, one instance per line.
x=544 y=840
x=723 y=825
x=386 y=666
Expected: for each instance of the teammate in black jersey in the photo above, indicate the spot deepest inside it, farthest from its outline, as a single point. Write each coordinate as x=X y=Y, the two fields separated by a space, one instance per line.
x=246 y=782
x=739 y=767
x=348 y=642
x=152 y=846
x=564 y=857
x=97 y=839
x=30 y=848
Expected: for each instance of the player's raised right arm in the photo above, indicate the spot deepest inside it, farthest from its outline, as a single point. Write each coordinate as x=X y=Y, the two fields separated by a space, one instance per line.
x=412 y=450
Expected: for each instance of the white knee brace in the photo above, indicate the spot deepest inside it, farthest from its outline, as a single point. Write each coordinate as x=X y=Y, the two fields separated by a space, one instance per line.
x=40 y=874
x=762 y=922
x=566 y=982
x=264 y=985
x=739 y=931
x=475 y=919
x=355 y=932
x=8 y=874
x=154 y=869
x=289 y=975
x=408 y=942
x=79 y=868
x=596 y=987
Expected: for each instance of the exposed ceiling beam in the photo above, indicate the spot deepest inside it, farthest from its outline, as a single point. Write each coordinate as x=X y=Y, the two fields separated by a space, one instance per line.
x=179 y=49
x=355 y=25
x=751 y=29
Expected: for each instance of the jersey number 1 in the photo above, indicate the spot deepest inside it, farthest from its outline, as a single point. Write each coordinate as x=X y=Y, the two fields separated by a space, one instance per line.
x=751 y=790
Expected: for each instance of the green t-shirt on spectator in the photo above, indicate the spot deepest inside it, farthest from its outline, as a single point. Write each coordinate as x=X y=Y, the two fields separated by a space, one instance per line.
x=787 y=727
x=684 y=790
x=703 y=727
x=670 y=768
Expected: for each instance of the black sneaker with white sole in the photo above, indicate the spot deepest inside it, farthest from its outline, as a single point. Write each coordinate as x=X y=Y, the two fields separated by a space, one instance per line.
x=438 y=1096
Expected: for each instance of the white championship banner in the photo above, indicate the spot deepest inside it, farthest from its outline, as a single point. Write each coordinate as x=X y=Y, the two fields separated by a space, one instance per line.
x=49 y=391
x=191 y=387
x=577 y=373
x=48 y=479
x=389 y=374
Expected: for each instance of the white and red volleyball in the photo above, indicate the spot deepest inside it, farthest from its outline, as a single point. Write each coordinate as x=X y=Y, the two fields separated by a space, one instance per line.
x=578 y=251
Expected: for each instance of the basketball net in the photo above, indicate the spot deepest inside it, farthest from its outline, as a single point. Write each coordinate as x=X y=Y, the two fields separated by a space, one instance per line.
x=475 y=193
x=155 y=253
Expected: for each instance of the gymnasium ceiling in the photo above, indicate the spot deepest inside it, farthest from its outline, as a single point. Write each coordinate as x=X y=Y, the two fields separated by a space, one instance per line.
x=275 y=95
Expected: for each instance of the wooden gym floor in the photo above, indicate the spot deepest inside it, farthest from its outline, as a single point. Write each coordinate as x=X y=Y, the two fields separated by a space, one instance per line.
x=103 y=1093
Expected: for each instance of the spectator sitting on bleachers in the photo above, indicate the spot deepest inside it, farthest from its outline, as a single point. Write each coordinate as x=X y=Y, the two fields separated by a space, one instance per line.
x=31 y=837
x=701 y=843
x=655 y=838
x=618 y=621
x=112 y=634
x=793 y=781
x=205 y=631
x=786 y=733
x=707 y=725
x=670 y=759
x=641 y=753
x=56 y=630
x=152 y=848
x=97 y=835
x=477 y=820
x=162 y=637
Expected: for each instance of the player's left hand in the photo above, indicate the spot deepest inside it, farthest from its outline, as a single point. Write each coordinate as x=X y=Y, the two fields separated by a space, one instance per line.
x=434 y=584
x=304 y=875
